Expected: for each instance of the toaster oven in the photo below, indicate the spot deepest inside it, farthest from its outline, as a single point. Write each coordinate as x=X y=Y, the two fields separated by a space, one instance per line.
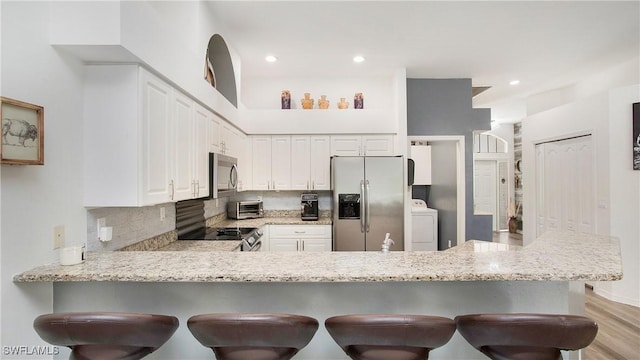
x=246 y=209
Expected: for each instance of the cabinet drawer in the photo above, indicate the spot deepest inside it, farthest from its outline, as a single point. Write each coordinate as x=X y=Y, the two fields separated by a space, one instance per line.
x=300 y=231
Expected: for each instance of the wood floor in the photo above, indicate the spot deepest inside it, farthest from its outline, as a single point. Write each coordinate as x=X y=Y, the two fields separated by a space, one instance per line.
x=618 y=324
x=618 y=329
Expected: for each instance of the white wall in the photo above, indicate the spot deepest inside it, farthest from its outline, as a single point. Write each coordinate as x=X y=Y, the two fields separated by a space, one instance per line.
x=601 y=105
x=34 y=199
x=624 y=195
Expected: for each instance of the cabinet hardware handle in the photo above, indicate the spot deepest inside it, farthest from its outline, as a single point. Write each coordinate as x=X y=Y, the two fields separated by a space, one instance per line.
x=297 y=245
x=299 y=232
x=313 y=184
x=302 y=241
x=172 y=189
x=197 y=188
x=307 y=184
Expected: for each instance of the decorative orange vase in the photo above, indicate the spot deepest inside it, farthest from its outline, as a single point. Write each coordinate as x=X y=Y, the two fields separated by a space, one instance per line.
x=323 y=103
x=307 y=102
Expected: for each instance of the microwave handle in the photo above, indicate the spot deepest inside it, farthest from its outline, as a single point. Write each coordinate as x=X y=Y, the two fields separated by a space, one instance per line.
x=234 y=176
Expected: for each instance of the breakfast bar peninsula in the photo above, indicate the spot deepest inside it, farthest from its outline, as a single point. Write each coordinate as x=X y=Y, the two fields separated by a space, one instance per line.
x=476 y=277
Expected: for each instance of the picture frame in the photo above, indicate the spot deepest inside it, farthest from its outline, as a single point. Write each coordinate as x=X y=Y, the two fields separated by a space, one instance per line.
x=22 y=140
x=636 y=136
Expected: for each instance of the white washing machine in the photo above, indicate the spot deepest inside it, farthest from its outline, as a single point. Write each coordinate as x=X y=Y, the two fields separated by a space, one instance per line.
x=424 y=227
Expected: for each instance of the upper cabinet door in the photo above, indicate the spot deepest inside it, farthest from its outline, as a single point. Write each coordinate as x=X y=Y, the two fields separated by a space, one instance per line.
x=281 y=162
x=203 y=123
x=183 y=144
x=320 y=161
x=300 y=163
x=377 y=145
x=345 y=145
x=261 y=160
x=157 y=182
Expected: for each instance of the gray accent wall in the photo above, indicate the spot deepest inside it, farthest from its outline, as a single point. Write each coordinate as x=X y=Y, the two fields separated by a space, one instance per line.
x=443 y=107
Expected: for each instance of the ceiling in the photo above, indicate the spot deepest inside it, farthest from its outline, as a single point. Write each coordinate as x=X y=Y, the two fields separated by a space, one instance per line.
x=544 y=44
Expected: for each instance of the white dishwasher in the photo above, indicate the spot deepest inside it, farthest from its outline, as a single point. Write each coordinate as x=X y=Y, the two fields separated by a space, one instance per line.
x=424 y=228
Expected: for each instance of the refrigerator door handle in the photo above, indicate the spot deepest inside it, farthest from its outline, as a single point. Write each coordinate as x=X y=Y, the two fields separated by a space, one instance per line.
x=362 y=201
x=368 y=220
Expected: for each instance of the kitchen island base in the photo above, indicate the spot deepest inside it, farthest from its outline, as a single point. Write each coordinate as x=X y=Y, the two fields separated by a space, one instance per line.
x=321 y=301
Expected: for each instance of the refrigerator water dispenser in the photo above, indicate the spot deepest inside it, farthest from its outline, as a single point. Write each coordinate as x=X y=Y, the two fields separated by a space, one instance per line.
x=348 y=206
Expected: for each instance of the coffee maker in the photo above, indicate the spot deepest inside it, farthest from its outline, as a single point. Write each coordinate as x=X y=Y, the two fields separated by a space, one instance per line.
x=309 y=206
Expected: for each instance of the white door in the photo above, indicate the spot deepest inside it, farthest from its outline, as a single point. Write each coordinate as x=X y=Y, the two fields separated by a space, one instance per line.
x=503 y=195
x=485 y=189
x=565 y=186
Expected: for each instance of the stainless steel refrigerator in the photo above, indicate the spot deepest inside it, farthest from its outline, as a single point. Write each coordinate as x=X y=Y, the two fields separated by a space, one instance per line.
x=368 y=202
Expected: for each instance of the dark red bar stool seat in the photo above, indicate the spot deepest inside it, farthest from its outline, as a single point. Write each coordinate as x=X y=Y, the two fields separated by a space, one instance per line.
x=389 y=337
x=106 y=335
x=253 y=336
x=526 y=336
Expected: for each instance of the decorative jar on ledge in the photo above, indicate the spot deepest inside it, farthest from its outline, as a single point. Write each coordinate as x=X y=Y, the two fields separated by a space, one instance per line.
x=323 y=103
x=343 y=104
x=285 y=99
x=307 y=102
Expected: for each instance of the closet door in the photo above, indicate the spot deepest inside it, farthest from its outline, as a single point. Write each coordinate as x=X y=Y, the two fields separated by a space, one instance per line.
x=565 y=193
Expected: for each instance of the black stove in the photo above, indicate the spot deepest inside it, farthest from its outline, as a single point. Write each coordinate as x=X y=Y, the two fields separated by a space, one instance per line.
x=190 y=225
x=219 y=233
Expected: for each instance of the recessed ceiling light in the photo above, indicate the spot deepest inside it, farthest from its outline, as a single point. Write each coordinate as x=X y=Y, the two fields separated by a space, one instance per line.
x=358 y=58
x=514 y=82
x=271 y=58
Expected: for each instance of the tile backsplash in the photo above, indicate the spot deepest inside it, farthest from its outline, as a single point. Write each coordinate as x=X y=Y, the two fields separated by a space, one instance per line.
x=134 y=224
x=130 y=225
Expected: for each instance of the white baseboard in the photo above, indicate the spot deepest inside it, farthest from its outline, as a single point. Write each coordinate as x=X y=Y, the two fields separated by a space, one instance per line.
x=621 y=299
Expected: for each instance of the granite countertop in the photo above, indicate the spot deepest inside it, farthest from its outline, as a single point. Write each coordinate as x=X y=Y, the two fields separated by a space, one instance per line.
x=556 y=256
x=202 y=245
x=280 y=220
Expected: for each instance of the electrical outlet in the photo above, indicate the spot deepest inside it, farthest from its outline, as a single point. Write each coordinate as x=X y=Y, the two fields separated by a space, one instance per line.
x=163 y=215
x=58 y=237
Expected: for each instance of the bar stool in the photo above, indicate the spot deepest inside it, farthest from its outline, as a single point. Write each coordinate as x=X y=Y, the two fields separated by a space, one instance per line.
x=389 y=337
x=526 y=336
x=106 y=335
x=253 y=336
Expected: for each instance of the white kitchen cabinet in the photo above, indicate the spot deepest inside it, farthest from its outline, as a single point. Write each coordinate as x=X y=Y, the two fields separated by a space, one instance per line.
x=203 y=121
x=300 y=237
x=261 y=162
x=281 y=162
x=421 y=155
x=138 y=139
x=215 y=134
x=362 y=145
x=182 y=141
x=271 y=158
x=245 y=170
x=310 y=161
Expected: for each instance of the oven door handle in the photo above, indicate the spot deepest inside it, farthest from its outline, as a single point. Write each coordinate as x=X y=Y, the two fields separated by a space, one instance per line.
x=257 y=246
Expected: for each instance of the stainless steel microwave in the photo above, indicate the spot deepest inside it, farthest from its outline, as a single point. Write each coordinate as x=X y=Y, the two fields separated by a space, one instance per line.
x=223 y=175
